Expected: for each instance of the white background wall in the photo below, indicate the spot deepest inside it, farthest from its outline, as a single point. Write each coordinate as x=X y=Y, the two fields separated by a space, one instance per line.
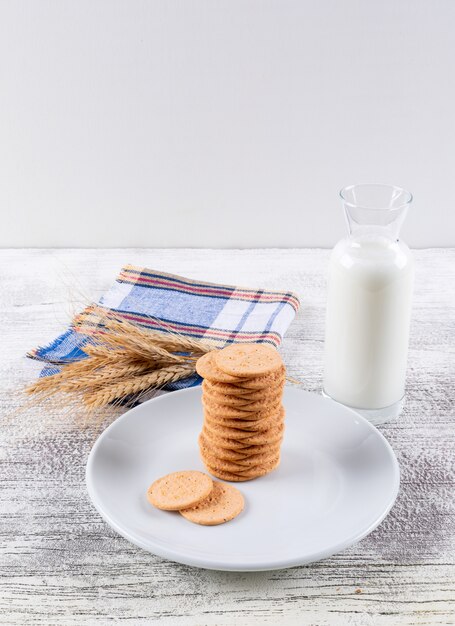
x=221 y=122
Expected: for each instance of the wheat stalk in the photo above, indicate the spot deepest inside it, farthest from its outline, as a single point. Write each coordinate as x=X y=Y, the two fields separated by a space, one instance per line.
x=118 y=338
x=168 y=339
x=65 y=382
x=133 y=386
x=122 y=361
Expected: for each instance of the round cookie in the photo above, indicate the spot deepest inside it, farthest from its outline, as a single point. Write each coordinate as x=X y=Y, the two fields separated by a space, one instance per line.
x=240 y=402
x=222 y=465
x=269 y=437
x=248 y=360
x=245 y=417
x=212 y=391
x=223 y=504
x=274 y=435
x=243 y=413
x=213 y=405
x=247 y=385
x=238 y=414
x=239 y=470
x=261 y=410
x=206 y=367
x=232 y=477
x=237 y=402
x=259 y=460
x=264 y=382
x=239 y=433
x=262 y=468
x=249 y=425
x=240 y=454
x=179 y=490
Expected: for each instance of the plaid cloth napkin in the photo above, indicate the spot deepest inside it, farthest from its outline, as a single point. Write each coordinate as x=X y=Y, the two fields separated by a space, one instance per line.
x=220 y=313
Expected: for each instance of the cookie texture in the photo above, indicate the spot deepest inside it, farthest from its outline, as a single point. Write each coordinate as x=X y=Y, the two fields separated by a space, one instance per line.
x=254 y=412
x=236 y=395
x=232 y=441
x=235 y=477
x=251 y=425
x=179 y=490
x=240 y=466
x=246 y=454
x=207 y=368
x=248 y=360
x=259 y=406
x=241 y=434
x=223 y=504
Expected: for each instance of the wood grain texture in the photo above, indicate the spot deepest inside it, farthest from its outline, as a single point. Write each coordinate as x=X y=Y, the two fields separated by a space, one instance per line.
x=61 y=564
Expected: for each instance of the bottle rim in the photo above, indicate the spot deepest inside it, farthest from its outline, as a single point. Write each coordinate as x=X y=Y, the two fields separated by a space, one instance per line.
x=395 y=193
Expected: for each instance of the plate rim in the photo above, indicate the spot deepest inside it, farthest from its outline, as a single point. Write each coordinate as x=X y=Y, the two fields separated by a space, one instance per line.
x=200 y=562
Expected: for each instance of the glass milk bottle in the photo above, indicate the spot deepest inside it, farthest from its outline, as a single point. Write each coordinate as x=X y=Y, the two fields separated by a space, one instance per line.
x=369 y=304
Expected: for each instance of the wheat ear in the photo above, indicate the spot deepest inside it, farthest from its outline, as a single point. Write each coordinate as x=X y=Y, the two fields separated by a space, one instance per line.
x=167 y=338
x=135 y=385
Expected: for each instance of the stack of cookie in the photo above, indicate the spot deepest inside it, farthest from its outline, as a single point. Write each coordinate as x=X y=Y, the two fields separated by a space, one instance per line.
x=243 y=413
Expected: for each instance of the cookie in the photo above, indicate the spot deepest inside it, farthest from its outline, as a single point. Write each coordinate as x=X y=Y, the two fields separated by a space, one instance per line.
x=242 y=402
x=247 y=385
x=237 y=455
x=179 y=490
x=232 y=477
x=223 y=504
x=261 y=410
x=237 y=470
x=260 y=469
x=206 y=367
x=269 y=437
x=249 y=425
x=245 y=417
x=220 y=414
x=241 y=454
x=259 y=460
x=237 y=396
x=248 y=360
x=222 y=464
x=240 y=433
x=237 y=402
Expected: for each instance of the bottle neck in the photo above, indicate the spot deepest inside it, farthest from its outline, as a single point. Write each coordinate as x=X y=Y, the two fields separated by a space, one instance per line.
x=373 y=233
x=368 y=224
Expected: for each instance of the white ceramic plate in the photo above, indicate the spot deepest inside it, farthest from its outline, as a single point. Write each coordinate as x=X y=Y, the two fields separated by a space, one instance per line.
x=337 y=481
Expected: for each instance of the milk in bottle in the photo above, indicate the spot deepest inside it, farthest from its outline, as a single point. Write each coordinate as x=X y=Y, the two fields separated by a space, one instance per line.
x=369 y=304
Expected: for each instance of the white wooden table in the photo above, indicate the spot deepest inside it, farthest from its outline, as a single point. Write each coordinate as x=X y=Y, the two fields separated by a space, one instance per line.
x=61 y=564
